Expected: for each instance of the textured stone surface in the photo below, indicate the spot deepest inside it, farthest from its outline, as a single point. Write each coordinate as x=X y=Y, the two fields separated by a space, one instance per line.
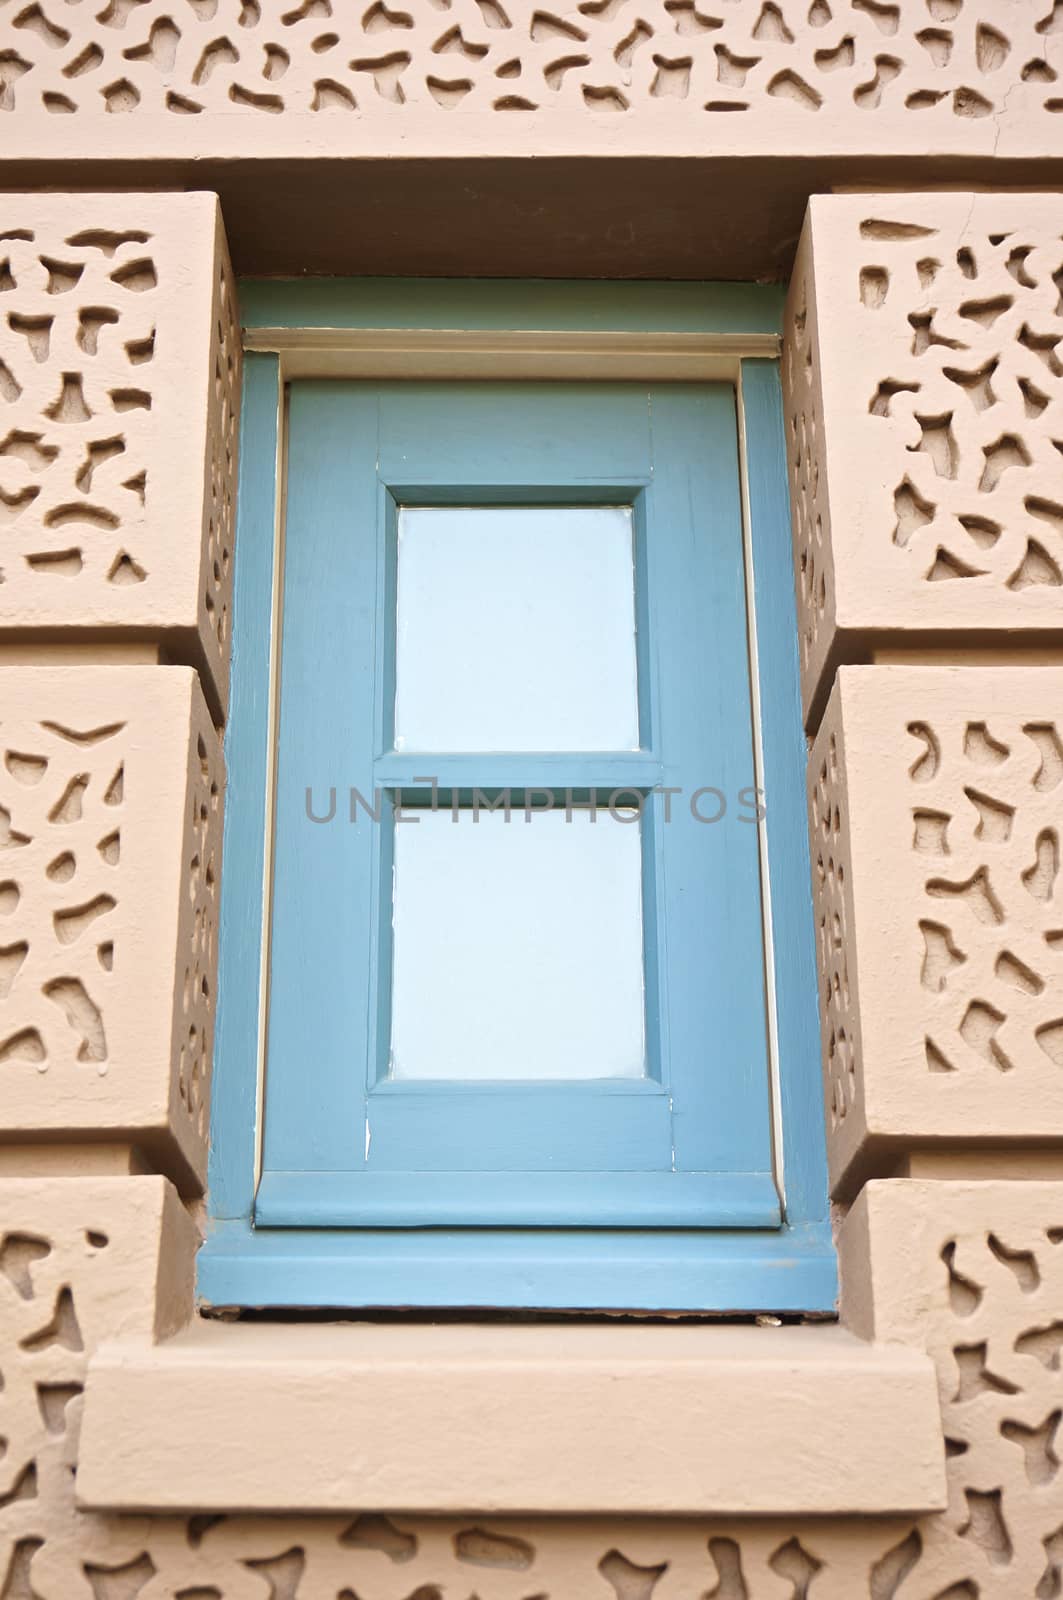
x=79 y=1260
x=936 y=812
x=110 y=843
x=974 y=1273
x=903 y=75
x=970 y=1270
x=925 y=418
x=119 y=372
x=736 y=1421
x=935 y=804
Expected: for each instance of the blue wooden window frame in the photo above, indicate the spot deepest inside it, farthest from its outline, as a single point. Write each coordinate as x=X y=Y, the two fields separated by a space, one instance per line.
x=291 y=1226
x=690 y=1144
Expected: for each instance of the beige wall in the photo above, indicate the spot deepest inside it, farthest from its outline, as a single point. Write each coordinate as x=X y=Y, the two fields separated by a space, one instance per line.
x=924 y=377
x=951 y=67
x=971 y=1269
x=611 y=139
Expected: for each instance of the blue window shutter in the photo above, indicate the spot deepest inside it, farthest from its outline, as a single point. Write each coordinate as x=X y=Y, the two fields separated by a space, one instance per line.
x=651 y=1194
x=341 y=1146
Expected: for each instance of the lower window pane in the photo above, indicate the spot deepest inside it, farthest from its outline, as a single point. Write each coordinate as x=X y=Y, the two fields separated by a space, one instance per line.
x=518 y=946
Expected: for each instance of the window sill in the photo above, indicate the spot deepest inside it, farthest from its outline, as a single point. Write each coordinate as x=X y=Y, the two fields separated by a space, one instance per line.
x=493 y=1418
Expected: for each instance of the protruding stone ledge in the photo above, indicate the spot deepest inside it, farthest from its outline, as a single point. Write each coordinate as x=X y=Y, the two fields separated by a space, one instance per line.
x=569 y=1420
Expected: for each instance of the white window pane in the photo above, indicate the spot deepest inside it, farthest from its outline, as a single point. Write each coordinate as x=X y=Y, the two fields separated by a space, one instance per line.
x=517 y=947
x=516 y=629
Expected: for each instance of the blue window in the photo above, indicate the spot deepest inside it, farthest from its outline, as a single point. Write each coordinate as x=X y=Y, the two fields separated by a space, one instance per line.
x=517 y=997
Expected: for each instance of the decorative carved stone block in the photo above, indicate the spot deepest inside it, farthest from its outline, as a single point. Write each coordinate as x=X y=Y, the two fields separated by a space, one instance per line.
x=973 y=1273
x=946 y=77
x=119 y=383
x=924 y=395
x=81 y=1260
x=936 y=803
x=110 y=843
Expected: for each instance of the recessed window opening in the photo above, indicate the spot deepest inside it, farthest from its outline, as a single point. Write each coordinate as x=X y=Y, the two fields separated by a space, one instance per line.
x=527 y=762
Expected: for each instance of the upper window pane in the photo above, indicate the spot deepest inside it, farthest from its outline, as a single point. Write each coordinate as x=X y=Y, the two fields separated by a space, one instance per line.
x=516 y=629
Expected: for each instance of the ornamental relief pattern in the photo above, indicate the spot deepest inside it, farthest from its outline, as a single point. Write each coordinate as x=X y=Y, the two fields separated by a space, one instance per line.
x=973 y=407
x=938 y=901
x=62 y=806
x=78 y=324
x=223 y=426
x=119 y=384
x=986 y=810
x=110 y=845
x=840 y=1017
x=998 y=1354
x=197 y=938
x=987 y=1301
x=809 y=510
x=924 y=365
x=936 y=61
x=989 y=1282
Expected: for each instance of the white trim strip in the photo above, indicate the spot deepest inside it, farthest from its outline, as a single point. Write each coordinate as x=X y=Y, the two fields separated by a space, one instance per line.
x=458 y=353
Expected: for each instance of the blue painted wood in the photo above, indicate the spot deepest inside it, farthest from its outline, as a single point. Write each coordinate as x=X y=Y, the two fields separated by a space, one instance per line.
x=500 y=304
x=629 y=769
x=788 y=1269
x=785 y=1270
x=323 y=878
x=234 y=1115
x=708 y=889
x=517 y=1199
x=544 y=1127
x=354 y=449
x=783 y=745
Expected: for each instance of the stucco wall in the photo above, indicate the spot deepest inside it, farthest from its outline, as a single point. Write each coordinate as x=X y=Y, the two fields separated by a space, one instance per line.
x=609 y=139
x=923 y=372
x=971 y=1269
x=921 y=364
x=944 y=75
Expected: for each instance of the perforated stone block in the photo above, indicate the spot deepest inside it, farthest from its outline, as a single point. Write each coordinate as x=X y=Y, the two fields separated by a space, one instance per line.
x=79 y=1259
x=119 y=383
x=924 y=398
x=110 y=843
x=935 y=810
x=972 y=1272
x=230 y=78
